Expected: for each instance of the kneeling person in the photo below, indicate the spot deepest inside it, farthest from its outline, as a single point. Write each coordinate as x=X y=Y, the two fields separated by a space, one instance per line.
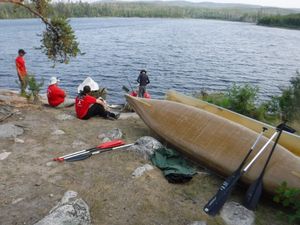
x=57 y=96
x=87 y=106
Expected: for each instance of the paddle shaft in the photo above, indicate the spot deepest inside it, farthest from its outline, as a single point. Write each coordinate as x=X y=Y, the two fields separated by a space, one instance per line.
x=219 y=199
x=129 y=84
x=89 y=154
x=254 y=192
x=251 y=149
x=78 y=152
x=109 y=144
x=259 y=153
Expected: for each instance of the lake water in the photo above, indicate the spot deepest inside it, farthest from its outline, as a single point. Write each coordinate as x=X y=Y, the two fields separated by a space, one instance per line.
x=183 y=54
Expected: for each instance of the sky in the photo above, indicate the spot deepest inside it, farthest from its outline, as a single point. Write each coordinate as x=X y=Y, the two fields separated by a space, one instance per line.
x=275 y=3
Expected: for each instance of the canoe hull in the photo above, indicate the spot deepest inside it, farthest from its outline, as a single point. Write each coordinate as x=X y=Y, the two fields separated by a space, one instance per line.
x=290 y=141
x=215 y=142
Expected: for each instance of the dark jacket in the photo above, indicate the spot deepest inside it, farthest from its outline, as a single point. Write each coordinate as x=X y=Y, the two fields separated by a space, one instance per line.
x=143 y=79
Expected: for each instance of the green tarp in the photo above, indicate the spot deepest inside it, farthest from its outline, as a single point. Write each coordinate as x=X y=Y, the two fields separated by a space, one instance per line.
x=175 y=168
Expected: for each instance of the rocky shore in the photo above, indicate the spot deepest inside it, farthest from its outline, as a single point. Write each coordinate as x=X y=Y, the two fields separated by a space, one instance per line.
x=117 y=187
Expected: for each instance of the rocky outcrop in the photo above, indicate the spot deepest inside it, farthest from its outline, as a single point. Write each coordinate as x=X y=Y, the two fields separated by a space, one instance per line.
x=146 y=146
x=235 y=214
x=9 y=130
x=70 y=210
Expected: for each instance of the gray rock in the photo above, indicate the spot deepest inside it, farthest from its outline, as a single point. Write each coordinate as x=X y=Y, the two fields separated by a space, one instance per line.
x=141 y=170
x=71 y=210
x=17 y=201
x=4 y=155
x=58 y=132
x=235 y=214
x=113 y=134
x=197 y=223
x=64 y=116
x=9 y=130
x=49 y=164
x=146 y=146
x=18 y=140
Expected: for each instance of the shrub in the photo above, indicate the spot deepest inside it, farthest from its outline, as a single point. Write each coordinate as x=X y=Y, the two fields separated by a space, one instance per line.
x=289 y=198
x=34 y=87
x=242 y=99
x=289 y=101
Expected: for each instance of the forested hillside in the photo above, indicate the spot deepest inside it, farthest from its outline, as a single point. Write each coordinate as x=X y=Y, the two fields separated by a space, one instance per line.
x=289 y=21
x=152 y=9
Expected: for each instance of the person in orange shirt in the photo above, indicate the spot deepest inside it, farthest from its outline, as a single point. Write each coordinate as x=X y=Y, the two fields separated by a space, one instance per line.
x=87 y=106
x=56 y=96
x=21 y=70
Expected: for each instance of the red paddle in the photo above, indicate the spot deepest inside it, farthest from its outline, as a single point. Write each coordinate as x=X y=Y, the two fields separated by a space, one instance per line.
x=106 y=145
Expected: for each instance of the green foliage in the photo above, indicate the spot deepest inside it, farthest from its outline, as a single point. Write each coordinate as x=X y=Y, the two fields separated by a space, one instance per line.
x=34 y=87
x=41 y=6
x=289 y=101
x=242 y=99
x=58 y=40
x=59 y=44
x=289 y=198
x=291 y=20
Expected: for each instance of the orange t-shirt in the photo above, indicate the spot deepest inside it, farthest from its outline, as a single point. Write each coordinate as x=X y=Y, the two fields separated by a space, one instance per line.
x=20 y=65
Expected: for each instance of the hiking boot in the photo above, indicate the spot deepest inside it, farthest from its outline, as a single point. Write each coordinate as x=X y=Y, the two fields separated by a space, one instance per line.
x=110 y=118
x=117 y=116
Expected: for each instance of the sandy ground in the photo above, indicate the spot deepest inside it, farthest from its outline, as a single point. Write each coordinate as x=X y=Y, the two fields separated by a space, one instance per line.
x=31 y=183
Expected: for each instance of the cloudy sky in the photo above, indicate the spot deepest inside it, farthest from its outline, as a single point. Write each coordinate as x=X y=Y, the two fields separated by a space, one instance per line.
x=277 y=3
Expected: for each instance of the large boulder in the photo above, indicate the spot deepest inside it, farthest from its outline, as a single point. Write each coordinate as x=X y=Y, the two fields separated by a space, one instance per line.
x=9 y=130
x=235 y=214
x=70 y=210
x=146 y=146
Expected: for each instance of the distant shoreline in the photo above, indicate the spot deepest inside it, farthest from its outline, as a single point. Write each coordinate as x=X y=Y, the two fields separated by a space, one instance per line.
x=155 y=9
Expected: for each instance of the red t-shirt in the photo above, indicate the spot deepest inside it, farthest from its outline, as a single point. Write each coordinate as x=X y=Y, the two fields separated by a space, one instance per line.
x=82 y=105
x=55 y=95
x=20 y=65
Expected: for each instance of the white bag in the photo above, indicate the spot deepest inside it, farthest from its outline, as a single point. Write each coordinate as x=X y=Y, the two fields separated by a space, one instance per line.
x=90 y=82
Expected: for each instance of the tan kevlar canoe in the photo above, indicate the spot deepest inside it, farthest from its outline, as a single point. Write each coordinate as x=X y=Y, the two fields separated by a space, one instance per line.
x=287 y=140
x=217 y=143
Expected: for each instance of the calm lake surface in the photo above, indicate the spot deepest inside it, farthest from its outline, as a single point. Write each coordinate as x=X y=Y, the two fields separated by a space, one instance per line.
x=183 y=54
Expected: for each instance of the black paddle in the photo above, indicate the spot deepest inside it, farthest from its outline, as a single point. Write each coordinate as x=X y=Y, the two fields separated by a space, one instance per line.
x=255 y=190
x=218 y=200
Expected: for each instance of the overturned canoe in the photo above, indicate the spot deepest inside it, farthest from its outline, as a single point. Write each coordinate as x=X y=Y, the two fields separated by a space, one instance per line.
x=215 y=142
x=288 y=140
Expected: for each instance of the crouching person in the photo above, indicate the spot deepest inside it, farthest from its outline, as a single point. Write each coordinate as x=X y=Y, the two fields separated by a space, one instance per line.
x=56 y=96
x=87 y=106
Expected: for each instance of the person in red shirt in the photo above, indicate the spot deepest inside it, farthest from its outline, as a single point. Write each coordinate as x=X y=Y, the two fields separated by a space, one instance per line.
x=21 y=70
x=57 y=96
x=87 y=106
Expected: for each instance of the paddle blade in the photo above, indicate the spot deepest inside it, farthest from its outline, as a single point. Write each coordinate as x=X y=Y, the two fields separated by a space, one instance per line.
x=111 y=144
x=253 y=194
x=125 y=89
x=79 y=157
x=216 y=202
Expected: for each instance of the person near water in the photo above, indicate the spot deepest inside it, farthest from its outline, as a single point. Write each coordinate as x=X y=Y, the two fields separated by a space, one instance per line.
x=21 y=70
x=87 y=106
x=143 y=80
x=56 y=96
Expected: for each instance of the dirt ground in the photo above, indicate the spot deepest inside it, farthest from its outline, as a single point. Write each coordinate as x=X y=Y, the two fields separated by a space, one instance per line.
x=31 y=183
